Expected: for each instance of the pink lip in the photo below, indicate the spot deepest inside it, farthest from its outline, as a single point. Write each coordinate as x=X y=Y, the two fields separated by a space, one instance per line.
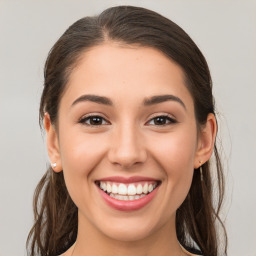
x=132 y=179
x=128 y=205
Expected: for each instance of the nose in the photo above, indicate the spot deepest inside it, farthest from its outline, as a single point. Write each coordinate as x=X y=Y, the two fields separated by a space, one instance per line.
x=127 y=148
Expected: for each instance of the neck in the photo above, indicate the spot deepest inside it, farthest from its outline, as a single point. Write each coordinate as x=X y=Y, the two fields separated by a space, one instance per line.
x=162 y=242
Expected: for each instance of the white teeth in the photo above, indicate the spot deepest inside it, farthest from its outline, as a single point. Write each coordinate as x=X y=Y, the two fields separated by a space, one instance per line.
x=139 y=189
x=131 y=190
x=109 y=188
x=126 y=198
x=145 y=188
x=103 y=186
x=114 y=189
x=122 y=189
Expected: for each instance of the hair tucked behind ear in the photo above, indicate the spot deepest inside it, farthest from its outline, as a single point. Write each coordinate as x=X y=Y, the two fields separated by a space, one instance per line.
x=197 y=219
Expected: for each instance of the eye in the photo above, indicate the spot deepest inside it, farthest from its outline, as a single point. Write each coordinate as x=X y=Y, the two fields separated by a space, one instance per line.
x=93 y=120
x=162 y=120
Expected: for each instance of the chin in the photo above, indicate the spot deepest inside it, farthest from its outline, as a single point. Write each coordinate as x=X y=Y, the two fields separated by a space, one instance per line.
x=133 y=228
x=128 y=234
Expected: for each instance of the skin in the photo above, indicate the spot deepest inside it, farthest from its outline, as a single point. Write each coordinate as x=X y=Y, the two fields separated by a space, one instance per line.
x=127 y=143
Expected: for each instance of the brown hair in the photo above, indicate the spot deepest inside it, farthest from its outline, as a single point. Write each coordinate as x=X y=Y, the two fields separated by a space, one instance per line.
x=55 y=226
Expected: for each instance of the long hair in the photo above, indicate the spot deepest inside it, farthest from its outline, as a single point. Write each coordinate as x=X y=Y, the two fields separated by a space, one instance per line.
x=197 y=219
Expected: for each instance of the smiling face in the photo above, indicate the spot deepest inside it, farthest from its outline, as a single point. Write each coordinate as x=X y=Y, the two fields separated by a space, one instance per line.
x=126 y=125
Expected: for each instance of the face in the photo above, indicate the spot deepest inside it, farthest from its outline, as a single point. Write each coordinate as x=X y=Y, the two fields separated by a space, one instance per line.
x=126 y=125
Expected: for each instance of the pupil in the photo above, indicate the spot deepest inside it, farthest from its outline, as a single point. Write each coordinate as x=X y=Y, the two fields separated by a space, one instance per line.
x=96 y=120
x=160 y=120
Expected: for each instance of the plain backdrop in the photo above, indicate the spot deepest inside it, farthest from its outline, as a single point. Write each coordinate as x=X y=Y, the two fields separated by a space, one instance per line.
x=223 y=30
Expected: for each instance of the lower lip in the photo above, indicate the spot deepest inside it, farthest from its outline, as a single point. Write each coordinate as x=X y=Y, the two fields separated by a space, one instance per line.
x=131 y=205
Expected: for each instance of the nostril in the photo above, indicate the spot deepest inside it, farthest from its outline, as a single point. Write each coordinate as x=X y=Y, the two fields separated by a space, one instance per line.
x=127 y=161
x=127 y=153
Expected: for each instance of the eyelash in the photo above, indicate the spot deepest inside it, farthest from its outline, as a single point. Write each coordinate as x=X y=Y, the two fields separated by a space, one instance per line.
x=166 y=117
x=84 y=119
x=90 y=118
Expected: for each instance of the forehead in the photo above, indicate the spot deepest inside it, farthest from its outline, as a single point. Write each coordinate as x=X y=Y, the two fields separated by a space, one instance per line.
x=123 y=72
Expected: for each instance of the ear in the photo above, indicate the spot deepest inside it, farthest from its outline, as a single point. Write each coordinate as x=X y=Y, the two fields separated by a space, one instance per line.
x=206 y=141
x=52 y=143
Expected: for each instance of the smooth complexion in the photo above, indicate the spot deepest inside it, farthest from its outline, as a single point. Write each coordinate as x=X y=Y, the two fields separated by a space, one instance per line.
x=127 y=139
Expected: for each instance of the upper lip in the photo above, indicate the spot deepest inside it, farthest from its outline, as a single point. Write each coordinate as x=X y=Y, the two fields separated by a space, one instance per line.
x=120 y=179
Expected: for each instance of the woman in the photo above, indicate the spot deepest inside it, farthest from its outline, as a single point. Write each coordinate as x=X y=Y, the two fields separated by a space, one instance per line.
x=129 y=115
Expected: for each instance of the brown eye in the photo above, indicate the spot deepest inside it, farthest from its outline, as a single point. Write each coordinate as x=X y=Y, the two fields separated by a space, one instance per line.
x=162 y=120
x=93 y=120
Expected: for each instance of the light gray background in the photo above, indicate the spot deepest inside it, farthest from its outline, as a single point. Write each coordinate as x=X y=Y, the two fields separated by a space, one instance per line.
x=223 y=30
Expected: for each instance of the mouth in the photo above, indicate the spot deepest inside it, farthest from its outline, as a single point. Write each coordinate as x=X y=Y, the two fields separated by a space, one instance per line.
x=127 y=194
x=127 y=191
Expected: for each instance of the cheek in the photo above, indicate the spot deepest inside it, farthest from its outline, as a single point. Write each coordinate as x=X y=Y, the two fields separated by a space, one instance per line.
x=80 y=155
x=176 y=152
x=80 y=152
x=176 y=157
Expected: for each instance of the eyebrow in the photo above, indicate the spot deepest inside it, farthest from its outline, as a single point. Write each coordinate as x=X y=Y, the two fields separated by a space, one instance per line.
x=93 y=98
x=163 y=98
x=147 y=102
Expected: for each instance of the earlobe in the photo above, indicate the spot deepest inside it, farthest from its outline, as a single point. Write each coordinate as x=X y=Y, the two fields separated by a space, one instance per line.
x=52 y=144
x=206 y=141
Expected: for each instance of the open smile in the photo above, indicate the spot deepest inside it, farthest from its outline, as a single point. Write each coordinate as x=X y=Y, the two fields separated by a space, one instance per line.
x=127 y=194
